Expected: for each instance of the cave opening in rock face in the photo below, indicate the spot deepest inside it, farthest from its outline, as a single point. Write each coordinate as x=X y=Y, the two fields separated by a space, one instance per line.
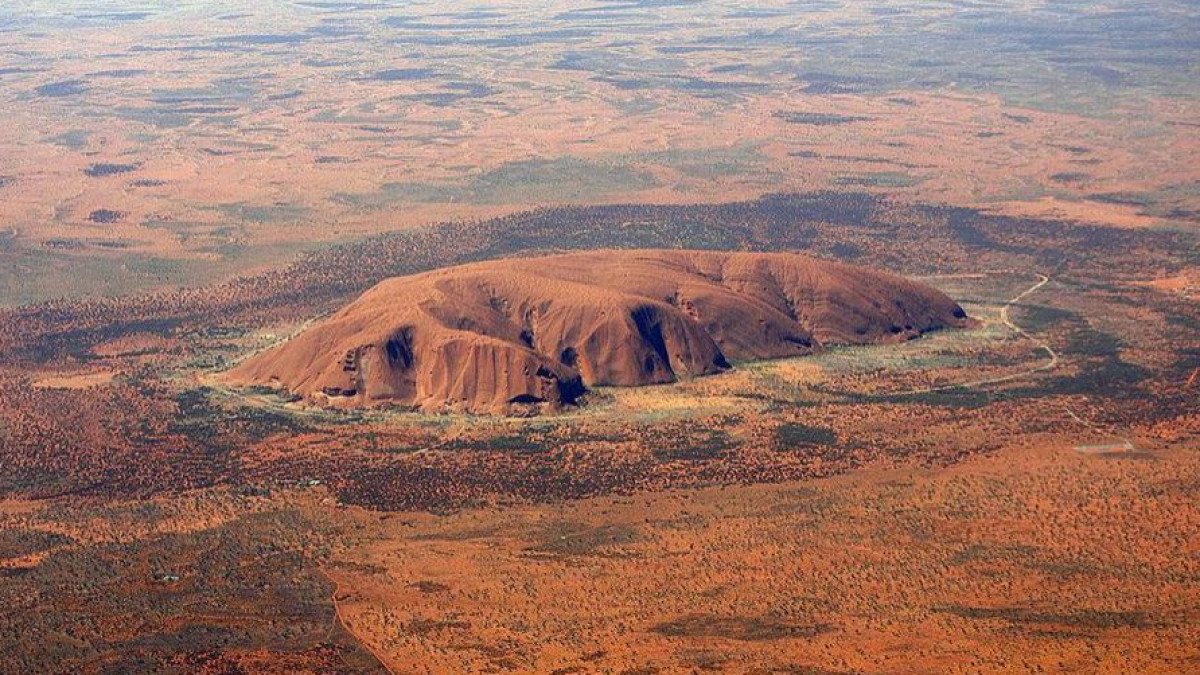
x=487 y=336
x=399 y=348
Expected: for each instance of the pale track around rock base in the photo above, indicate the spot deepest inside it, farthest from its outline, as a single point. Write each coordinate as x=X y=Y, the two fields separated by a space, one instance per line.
x=1053 y=357
x=1054 y=360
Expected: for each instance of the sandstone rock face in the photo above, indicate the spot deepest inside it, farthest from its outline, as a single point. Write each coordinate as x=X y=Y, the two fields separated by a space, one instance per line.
x=494 y=336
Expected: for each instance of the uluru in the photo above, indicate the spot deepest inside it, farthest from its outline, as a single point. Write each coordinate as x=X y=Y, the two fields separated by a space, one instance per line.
x=508 y=334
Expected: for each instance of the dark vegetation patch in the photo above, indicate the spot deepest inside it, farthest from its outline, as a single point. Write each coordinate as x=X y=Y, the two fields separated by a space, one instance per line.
x=1069 y=177
x=1084 y=340
x=1103 y=373
x=452 y=93
x=742 y=629
x=818 y=119
x=794 y=434
x=1111 y=378
x=285 y=96
x=265 y=39
x=833 y=83
x=19 y=70
x=76 y=139
x=65 y=244
x=107 y=169
x=879 y=179
x=404 y=74
x=135 y=438
x=331 y=28
x=845 y=251
x=1029 y=557
x=17 y=543
x=1109 y=76
x=962 y=398
x=531 y=441
x=1039 y=318
x=106 y=216
x=196 y=596
x=205 y=110
x=1186 y=321
x=61 y=89
x=974 y=232
x=458 y=535
x=77 y=342
x=120 y=74
x=263 y=213
x=698 y=445
x=520 y=442
x=698 y=86
x=1121 y=199
x=116 y=16
x=219 y=431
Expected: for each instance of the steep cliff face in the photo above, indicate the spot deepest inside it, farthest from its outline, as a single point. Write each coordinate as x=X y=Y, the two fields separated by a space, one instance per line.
x=492 y=336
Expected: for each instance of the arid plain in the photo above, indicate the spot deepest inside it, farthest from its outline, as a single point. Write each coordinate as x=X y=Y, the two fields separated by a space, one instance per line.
x=149 y=148
x=186 y=188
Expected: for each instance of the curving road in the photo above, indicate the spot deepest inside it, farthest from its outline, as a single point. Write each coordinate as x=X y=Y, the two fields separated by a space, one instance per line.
x=1051 y=363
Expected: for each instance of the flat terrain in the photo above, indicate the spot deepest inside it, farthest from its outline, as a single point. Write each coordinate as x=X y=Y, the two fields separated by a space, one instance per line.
x=1011 y=564
x=1021 y=490
x=1033 y=559
x=183 y=145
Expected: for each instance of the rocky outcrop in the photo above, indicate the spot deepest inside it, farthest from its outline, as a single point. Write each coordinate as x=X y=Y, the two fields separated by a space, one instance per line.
x=491 y=336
